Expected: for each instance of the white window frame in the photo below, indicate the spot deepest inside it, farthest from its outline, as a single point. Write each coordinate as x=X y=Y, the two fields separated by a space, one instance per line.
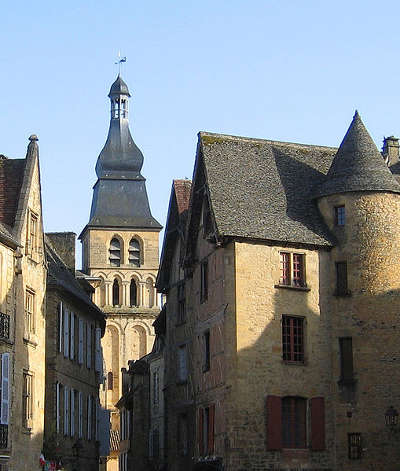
x=5 y=388
x=66 y=333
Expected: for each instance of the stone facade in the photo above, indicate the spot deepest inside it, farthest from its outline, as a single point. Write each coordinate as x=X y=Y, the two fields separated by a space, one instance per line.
x=73 y=362
x=287 y=355
x=23 y=291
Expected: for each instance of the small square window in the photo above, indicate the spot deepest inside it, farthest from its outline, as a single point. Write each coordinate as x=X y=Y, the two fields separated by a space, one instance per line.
x=292 y=269
x=340 y=216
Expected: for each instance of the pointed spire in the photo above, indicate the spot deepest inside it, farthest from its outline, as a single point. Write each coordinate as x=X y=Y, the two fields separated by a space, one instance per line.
x=358 y=165
x=120 y=156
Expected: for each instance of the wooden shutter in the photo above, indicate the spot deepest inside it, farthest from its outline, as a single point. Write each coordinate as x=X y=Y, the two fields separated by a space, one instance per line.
x=60 y=326
x=5 y=373
x=274 y=423
x=66 y=410
x=89 y=417
x=210 y=431
x=72 y=336
x=58 y=407
x=317 y=423
x=346 y=359
x=200 y=431
x=80 y=342
x=80 y=413
x=66 y=333
x=98 y=355
x=88 y=345
x=72 y=428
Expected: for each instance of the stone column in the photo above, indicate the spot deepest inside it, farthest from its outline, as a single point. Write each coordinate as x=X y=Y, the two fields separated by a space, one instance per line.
x=125 y=294
x=142 y=297
x=108 y=289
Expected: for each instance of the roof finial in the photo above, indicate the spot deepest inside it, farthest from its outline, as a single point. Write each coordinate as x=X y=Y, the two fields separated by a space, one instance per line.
x=119 y=62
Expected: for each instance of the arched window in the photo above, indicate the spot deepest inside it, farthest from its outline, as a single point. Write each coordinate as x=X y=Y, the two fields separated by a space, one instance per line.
x=110 y=381
x=134 y=253
x=133 y=293
x=115 y=292
x=115 y=252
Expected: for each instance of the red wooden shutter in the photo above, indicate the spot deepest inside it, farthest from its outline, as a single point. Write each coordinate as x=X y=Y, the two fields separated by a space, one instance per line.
x=274 y=423
x=200 y=432
x=211 y=417
x=317 y=423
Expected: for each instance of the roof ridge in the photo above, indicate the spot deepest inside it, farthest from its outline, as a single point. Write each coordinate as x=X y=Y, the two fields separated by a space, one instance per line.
x=264 y=141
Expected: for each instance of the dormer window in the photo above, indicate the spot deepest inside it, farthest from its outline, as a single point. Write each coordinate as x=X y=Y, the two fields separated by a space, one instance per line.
x=134 y=253
x=340 y=215
x=115 y=253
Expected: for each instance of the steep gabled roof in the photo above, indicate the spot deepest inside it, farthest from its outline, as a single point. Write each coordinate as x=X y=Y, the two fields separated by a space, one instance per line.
x=261 y=189
x=175 y=228
x=59 y=276
x=11 y=177
x=358 y=165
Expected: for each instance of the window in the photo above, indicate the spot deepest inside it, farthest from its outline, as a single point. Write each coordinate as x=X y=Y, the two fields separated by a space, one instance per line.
x=346 y=359
x=206 y=430
x=181 y=304
x=156 y=387
x=134 y=253
x=294 y=422
x=293 y=338
x=182 y=435
x=354 y=445
x=182 y=364
x=341 y=279
x=292 y=269
x=340 y=216
x=110 y=381
x=287 y=422
x=203 y=281
x=29 y=312
x=27 y=400
x=115 y=252
x=31 y=235
x=133 y=293
x=155 y=442
x=206 y=350
x=4 y=325
x=4 y=392
x=115 y=293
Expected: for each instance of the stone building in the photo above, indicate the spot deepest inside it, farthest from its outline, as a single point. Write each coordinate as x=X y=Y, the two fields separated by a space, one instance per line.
x=22 y=317
x=120 y=252
x=283 y=333
x=74 y=362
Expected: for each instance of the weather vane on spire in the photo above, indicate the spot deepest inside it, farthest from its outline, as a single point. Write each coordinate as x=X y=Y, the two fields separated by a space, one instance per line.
x=119 y=62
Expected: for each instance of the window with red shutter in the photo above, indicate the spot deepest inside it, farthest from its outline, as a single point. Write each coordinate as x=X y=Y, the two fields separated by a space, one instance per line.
x=317 y=405
x=274 y=423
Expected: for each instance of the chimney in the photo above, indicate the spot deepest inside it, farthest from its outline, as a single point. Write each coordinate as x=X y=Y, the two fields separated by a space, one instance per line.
x=390 y=150
x=64 y=244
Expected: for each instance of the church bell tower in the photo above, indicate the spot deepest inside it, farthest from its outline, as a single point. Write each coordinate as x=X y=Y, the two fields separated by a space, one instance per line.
x=120 y=250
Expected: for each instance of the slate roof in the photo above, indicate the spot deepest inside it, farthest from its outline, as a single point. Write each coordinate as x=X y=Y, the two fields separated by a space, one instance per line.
x=358 y=165
x=59 y=276
x=262 y=189
x=11 y=176
x=119 y=87
x=174 y=229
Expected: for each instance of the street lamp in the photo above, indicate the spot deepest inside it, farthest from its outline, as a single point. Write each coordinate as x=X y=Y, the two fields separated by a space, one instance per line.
x=391 y=417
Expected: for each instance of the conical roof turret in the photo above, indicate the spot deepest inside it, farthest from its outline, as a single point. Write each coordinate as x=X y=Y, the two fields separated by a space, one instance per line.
x=357 y=165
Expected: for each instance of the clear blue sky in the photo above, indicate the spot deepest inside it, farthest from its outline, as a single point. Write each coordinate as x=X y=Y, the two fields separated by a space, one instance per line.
x=275 y=69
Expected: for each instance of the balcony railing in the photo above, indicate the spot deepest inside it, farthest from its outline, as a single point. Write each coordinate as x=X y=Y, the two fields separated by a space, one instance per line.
x=3 y=436
x=4 y=326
